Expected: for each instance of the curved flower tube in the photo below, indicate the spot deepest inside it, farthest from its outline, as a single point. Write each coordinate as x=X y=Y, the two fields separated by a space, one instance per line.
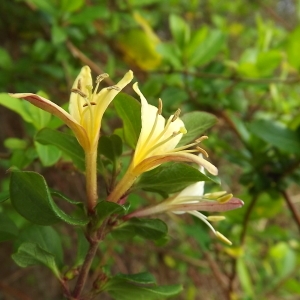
x=191 y=200
x=157 y=144
x=86 y=106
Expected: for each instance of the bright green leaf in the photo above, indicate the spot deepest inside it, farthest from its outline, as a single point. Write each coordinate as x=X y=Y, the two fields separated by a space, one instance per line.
x=170 y=178
x=140 y=278
x=180 y=30
x=196 y=123
x=14 y=143
x=48 y=154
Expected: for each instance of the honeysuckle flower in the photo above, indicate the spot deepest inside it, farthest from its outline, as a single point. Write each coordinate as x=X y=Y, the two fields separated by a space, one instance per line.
x=157 y=144
x=86 y=106
x=191 y=200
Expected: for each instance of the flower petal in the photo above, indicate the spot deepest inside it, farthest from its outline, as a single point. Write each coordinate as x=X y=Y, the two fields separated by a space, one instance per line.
x=155 y=161
x=56 y=110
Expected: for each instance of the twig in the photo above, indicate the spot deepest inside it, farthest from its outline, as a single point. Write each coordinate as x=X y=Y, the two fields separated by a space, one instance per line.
x=77 y=53
x=292 y=208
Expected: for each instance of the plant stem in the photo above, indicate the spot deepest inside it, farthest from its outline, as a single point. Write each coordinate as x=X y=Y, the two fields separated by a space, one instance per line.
x=91 y=180
x=85 y=269
x=292 y=208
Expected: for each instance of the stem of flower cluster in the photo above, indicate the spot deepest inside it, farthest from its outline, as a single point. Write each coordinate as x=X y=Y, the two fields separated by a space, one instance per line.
x=91 y=179
x=122 y=187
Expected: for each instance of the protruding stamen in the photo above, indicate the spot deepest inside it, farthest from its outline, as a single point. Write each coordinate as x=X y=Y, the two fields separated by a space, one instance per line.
x=113 y=87
x=215 y=218
x=160 y=106
x=214 y=195
x=101 y=77
x=202 y=151
x=224 y=198
x=202 y=138
x=79 y=92
x=79 y=84
x=222 y=238
x=91 y=103
x=176 y=115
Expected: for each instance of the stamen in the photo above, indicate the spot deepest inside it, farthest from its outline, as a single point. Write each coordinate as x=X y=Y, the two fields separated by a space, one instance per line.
x=215 y=218
x=113 y=87
x=215 y=195
x=183 y=130
x=176 y=114
x=79 y=92
x=160 y=106
x=202 y=138
x=202 y=151
x=224 y=198
x=222 y=238
x=101 y=77
x=91 y=103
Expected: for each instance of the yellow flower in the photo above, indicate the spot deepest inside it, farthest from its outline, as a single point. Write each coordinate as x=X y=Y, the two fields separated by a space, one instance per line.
x=158 y=140
x=157 y=144
x=86 y=106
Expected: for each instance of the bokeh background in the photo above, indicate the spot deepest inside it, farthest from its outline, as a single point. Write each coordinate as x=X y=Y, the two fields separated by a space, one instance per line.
x=238 y=60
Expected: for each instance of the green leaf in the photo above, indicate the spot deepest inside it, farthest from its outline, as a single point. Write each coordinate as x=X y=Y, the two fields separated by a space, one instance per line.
x=129 y=110
x=140 y=278
x=8 y=229
x=31 y=197
x=65 y=142
x=43 y=236
x=30 y=254
x=180 y=30
x=71 y=6
x=110 y=147
x=170 y=178
x=58 y=35
x=14 y=143
x=6 y=62
x=123 y=290
x=15 y=105
x=106 y=208
x=208 y=49
x=48 y=154
x=196 y=123
x=292 y=48
x=150 y=229
x=277 y=135
x=245 y=278
x=4 y=195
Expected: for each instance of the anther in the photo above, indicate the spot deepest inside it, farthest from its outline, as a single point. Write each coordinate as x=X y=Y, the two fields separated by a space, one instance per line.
x=225 y=198
x=202 y=138
x=79 y=84
x=114 y=87
x=222 y=238
x=101 y=77
x=160 y=106
x=176 y=114
x=202 y=151
x=92 y=103
x=215 y=218
x=79 y=92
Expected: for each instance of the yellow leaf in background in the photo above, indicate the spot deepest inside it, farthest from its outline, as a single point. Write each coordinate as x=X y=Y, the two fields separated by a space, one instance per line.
x=139 y=45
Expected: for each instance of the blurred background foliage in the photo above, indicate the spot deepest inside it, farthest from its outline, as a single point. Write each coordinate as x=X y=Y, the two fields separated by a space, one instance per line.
x=238 y=60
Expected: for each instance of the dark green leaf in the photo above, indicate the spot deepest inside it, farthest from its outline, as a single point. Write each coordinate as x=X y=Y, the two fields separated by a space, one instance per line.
x=106 y=208
x=140 y=278
x=8 y=229
x=196 y=123
x=65 y=142
x=110 y=147
x=150 y=229
x=43 y=236
x=31 y=197
x=129 y=110
x=4 y=196
x=170 y=178
x=30 y=254
x=277 y=135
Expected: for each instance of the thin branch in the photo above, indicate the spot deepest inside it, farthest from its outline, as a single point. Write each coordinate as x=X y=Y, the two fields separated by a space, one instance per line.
x=292 y=80
x=292 y=208
x=77 y=53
